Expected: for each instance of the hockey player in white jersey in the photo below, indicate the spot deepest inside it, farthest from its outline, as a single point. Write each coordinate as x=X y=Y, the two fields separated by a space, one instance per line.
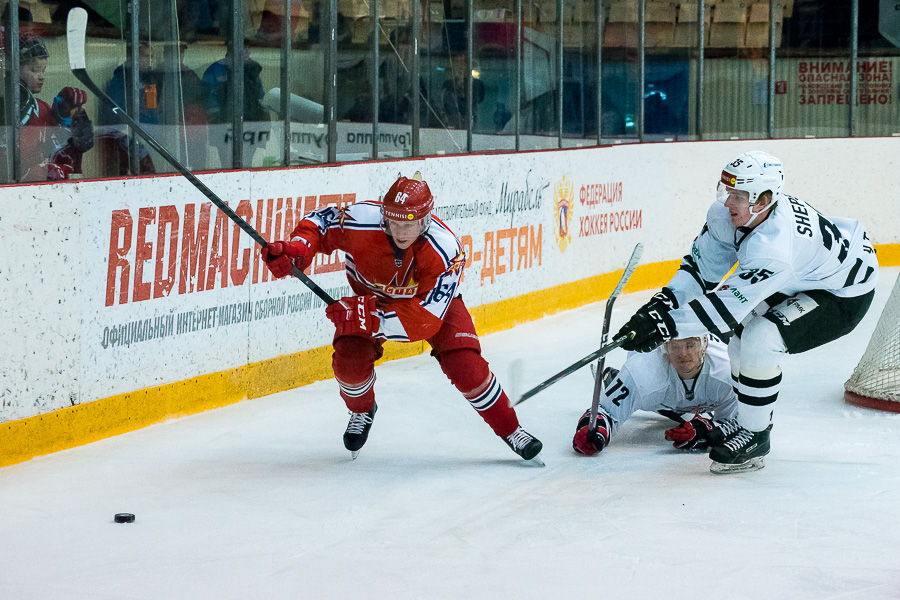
x=802 y=280
x=687 y=380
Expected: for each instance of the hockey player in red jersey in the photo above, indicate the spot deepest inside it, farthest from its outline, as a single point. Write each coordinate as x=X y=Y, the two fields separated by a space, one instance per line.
x=53 y=139
x=404 y=266
x=802 y=280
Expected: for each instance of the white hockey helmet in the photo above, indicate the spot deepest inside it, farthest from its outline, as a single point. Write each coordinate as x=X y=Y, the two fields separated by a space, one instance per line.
x=753 y=172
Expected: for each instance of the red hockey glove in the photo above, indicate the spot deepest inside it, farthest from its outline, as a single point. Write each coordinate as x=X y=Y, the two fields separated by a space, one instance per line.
x=693 y=435
x=66 y=102
x=279 y=257
x=590 y=443
x=354 y=315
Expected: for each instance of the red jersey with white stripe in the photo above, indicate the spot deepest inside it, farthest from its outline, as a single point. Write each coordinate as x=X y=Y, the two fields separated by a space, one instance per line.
x=412 y=287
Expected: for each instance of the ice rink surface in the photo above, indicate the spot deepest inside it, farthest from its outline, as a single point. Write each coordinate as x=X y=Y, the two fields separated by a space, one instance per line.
x=260 y=500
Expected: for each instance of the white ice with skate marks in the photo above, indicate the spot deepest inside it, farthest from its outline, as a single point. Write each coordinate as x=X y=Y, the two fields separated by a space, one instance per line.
x=261 y=500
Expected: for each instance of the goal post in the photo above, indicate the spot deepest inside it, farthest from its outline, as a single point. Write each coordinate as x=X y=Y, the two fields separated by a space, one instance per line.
x=875 y=382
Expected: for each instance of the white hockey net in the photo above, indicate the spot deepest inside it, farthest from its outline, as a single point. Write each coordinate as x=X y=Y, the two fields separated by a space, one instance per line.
x=876 y=381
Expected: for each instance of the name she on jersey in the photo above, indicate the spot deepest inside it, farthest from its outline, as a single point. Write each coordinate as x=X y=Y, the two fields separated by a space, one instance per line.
x=801 y=217
x=159 y=250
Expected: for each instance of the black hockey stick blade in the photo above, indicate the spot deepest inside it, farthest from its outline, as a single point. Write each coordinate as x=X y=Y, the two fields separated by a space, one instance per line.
x=603 y=351
x=76 y=27
x=607 y=318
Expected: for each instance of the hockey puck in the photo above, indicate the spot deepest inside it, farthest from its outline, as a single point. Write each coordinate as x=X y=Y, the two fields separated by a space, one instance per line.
x=124 y=518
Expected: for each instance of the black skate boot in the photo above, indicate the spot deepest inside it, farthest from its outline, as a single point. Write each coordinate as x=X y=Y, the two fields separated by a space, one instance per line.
x=358 y=430
x=525 y=445
x=722 y=431
x=741 y=451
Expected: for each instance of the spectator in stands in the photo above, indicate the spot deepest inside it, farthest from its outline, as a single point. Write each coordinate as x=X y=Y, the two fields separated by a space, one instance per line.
x=216 y=78
x=112 y=140
x=193 y=92
x=44 y=154
x=219 y=106
x=453 y=95
x=119 y=86
x=396 y=101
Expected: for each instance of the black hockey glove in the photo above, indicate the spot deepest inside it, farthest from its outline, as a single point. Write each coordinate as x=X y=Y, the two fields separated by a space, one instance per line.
x=691 y=435
x=651 y=329
x=82 y=131
x=664 y=298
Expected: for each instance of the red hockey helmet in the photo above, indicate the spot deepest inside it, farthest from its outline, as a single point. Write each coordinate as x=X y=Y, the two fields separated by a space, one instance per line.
x=408 y=200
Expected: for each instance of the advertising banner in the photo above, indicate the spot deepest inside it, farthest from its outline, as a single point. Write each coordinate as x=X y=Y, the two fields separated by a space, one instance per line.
x=120 y=285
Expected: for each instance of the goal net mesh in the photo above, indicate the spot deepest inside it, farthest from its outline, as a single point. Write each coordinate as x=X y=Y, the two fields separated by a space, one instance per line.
x=876 y=380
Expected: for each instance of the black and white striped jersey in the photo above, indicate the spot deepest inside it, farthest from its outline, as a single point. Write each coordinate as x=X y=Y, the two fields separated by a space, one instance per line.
x=795 y=249
x=648 y=381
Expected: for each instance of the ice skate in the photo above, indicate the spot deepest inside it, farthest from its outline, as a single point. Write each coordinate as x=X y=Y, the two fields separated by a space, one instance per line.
x=525 y=445
x=741 y=452
x=358 y=431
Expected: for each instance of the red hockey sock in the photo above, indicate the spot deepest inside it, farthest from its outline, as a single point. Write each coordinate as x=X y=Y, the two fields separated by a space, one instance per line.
x=470 y=373
x=353 y=363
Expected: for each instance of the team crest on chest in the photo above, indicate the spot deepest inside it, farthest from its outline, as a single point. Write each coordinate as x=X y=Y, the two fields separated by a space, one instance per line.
x=402 y=285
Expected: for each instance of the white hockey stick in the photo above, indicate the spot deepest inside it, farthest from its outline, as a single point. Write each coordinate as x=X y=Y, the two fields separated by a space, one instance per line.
x=76 y=28
x=598 y=376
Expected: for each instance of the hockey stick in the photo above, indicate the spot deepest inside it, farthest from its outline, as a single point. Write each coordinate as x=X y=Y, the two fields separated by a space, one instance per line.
x=76 y=30
x=571 y=369
x=598 y=377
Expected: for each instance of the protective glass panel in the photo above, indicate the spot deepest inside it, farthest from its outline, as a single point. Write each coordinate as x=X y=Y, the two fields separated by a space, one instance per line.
x=736 y=73
x=397 y=96
x=812 y=83
x=877 y=101
x=309 y=134
x=540 y=84
x=56 y=116
x=172 y=97
x=265 y=24
x=667 y=78
x=619 y=101
x=444 y=63
x=493 y=75
x=356 y=27
x=580 y=73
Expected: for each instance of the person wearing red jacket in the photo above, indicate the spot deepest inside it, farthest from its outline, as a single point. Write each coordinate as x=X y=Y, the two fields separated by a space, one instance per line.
x=404 y=266
x=44 y=154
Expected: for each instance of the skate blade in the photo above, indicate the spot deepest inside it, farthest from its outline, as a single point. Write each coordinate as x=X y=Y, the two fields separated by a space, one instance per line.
x=537 y=461
x=754 y=464
x=354 y=454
